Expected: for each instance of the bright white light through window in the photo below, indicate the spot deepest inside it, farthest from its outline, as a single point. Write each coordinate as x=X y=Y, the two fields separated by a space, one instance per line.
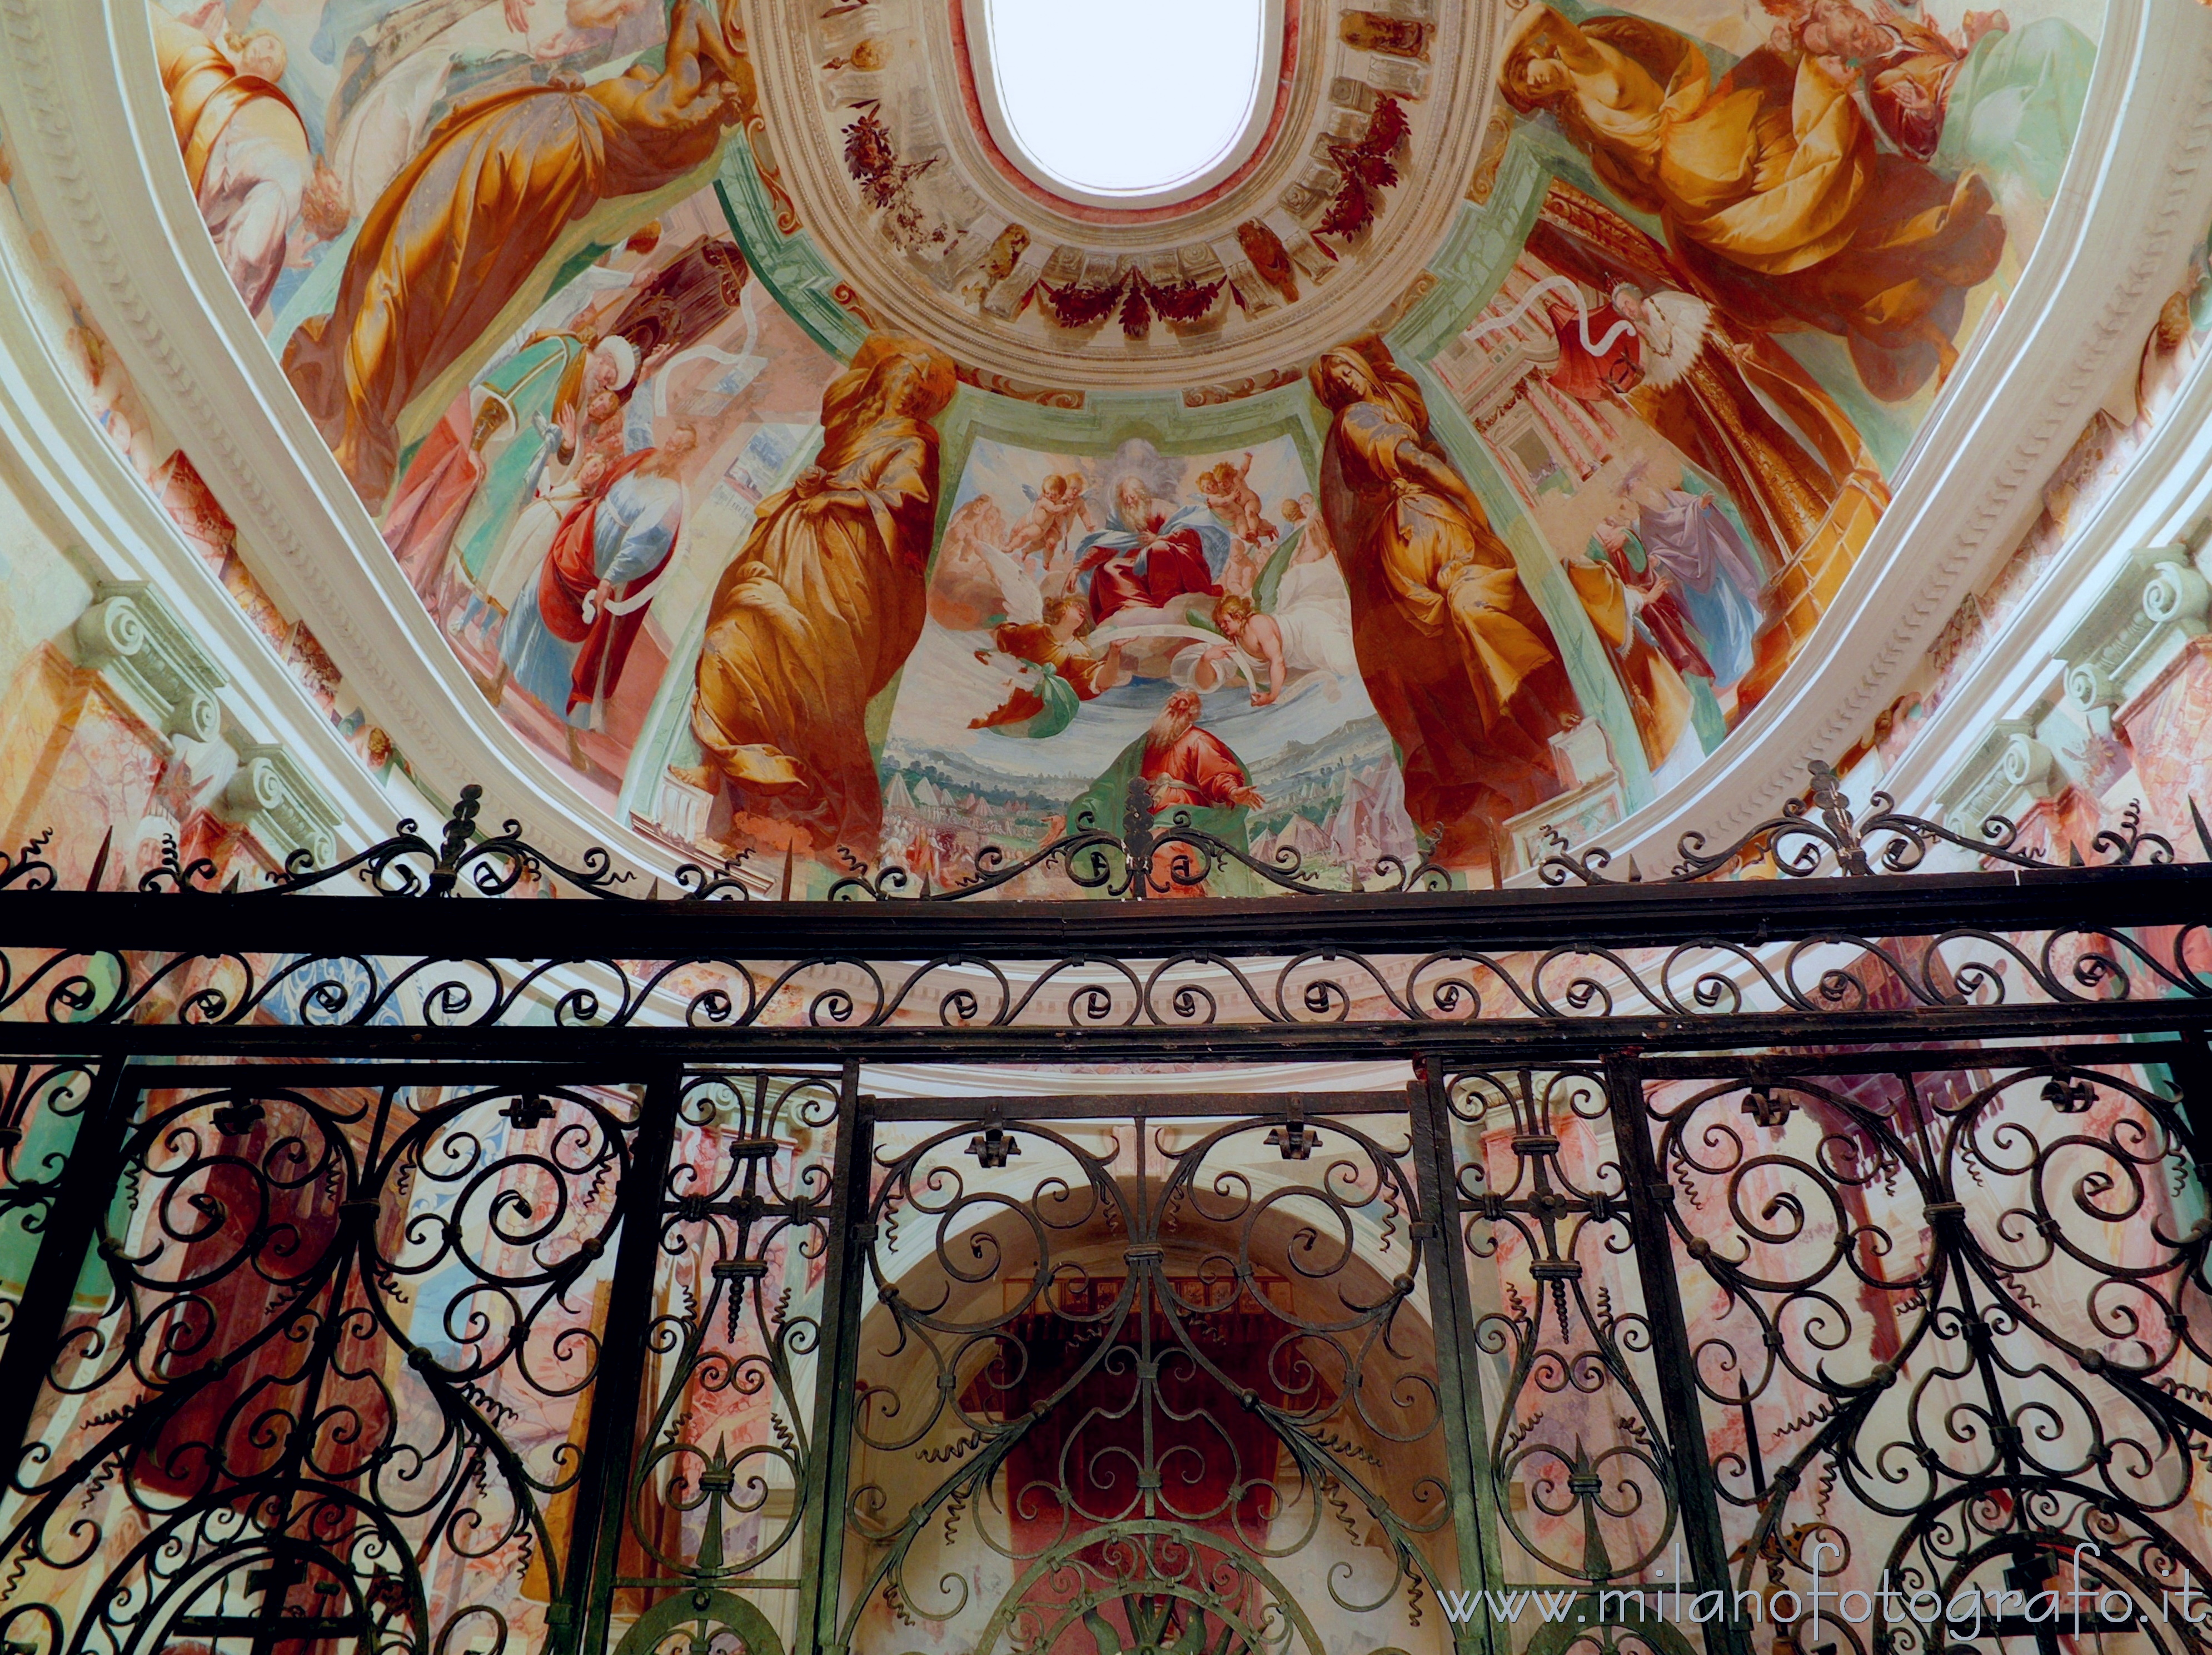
x=1126 y=98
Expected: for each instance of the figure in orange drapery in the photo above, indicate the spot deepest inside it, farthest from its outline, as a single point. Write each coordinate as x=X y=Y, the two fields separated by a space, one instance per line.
x=1058 y=643
x=1456 y=658
x=819 y=609
x=458 y=231
x=1767 y=180
x=245 y=150
x=1641 y=622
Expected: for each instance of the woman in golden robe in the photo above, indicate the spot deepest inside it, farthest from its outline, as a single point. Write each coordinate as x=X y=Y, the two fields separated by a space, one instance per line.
x=1658 y=699
x=458 y=233
x=1457 y=659
x=1768 y=181
x=246 y=151
x=819 y=609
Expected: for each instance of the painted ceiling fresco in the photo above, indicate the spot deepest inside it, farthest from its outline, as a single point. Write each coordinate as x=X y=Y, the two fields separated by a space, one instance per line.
x=813 y=488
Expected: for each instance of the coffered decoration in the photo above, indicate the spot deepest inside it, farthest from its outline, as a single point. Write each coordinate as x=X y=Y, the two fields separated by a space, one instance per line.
x=886 y=141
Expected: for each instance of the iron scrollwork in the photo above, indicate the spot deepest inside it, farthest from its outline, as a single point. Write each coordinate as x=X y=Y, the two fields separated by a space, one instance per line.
x=681 y=966
x=42 y=1105
x=1831 y=973
x=1161 y=850
x=728 y=1469
x=463 y=857
x=337 y=1367
x=28 y=869
x=1819 y=831
x=1949 y=1327
x=447 y=1362
x=1144 y=1368
x=1583 y=1476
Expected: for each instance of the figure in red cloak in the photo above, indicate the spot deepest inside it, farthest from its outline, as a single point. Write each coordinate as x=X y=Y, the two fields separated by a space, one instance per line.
x=1149 y=555
x=1187 y=765
x=567 y=649
x=1585 y=375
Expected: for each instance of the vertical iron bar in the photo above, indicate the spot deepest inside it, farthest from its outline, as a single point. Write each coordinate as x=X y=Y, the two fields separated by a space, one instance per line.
x=1459 y=1380
x=1650 y=1195
x=2192 y=1080
x=610 y=1437
x=82 y=1197
x=823 y=1545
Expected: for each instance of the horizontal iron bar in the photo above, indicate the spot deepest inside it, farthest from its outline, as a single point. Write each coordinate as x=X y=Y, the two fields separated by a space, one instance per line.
x=750 y=1582
x=1739 y=910
x=1483 y=1041
x=1152 y=1104
x=1780 y=1065
x=164 y=1075
x=273 y=1629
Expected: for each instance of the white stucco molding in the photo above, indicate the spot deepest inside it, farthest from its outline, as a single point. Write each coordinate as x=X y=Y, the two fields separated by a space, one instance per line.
x=160 y=626
x=2008 y=771
x=130 y=634
x=2163 y=501
x=2152 y=603
x=80 y=95
x=274 y=799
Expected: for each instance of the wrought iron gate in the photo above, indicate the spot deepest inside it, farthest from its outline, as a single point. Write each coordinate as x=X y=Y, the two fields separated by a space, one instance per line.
x=1726 y=1272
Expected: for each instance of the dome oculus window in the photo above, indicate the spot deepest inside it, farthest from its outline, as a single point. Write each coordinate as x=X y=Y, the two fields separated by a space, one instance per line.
x=1146 y=98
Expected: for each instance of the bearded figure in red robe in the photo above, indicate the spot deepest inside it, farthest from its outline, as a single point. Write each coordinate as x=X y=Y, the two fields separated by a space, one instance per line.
x=1186 y=766
x=1152 y=555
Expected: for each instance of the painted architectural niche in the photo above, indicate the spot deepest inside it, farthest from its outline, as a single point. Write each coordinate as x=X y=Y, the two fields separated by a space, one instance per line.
x=816 y=566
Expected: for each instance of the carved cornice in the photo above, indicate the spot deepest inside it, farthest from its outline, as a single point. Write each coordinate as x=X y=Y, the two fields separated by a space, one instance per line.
x=133 y=639
x=273 y=798
x=2165 y=496
x=2008 y=770
x=158 y=648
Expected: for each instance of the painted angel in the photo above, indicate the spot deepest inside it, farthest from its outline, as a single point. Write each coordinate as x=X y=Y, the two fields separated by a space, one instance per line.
x=1041 y=640
x=1041 y=538
x=1228 y=494
x=1051 y=635
x=963 y=589
x=1306 y=628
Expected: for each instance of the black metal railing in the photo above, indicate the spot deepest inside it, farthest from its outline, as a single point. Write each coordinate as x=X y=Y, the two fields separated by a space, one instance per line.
x=1157 y=851
x=377 y=1274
